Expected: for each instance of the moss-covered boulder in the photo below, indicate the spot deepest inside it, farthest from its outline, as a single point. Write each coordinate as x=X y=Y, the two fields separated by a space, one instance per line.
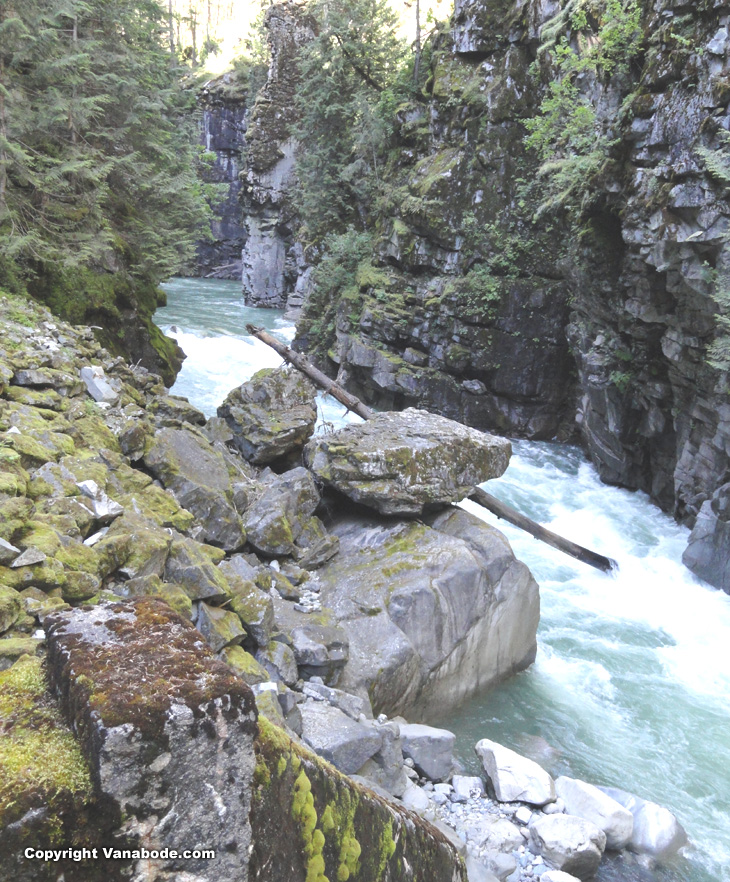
x=186 y=463
x=272 y=415
x=405 y=463
x=166 y=728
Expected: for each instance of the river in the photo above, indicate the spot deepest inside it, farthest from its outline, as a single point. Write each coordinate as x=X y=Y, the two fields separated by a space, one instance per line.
x=631 y=686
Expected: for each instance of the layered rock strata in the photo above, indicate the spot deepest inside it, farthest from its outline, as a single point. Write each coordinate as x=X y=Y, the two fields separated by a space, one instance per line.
x=223 y=105
x=272 y=263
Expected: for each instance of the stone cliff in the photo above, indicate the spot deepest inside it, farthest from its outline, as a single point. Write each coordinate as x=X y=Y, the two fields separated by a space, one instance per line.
x=592 y=326
x=224 y=116
x=473 y=308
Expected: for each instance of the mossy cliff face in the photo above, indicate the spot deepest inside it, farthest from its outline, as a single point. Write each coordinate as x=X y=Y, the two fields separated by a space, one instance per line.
x=463 y=310
x=329 y=828
x=223 y=103
x=271 y=262
x=594 y=322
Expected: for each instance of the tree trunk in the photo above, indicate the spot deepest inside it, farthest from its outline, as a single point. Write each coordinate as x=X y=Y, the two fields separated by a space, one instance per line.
x=417 y=62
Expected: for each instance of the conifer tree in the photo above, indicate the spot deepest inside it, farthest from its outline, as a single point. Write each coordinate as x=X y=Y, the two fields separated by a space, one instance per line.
x=97 y=164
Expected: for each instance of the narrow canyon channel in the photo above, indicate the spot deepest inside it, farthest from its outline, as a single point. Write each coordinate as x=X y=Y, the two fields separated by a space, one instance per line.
x=631 y=686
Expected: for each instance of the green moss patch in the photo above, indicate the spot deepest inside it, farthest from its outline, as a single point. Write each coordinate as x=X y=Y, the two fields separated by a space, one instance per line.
x=40 y=761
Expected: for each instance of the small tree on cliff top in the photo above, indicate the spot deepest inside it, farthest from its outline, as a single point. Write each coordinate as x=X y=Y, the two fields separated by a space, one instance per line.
x=346 y=99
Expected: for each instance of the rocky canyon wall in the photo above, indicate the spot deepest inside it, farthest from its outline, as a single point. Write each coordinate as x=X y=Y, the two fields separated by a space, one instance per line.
x=537 y=328
x=223 y=122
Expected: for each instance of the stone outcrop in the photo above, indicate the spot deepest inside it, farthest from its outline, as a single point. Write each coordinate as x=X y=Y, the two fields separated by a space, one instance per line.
x=271 y=260
x=223 y=104
x=406 y=463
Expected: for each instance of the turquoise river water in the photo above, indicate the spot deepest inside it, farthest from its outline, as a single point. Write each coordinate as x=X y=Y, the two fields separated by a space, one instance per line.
x=631 y=686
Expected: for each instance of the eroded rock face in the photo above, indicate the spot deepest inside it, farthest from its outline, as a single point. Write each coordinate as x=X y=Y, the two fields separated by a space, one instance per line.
x=176 y=741
x=430 y=617
x=406 y=463
x=271 y=415
x=269 y=259
x=224 y=117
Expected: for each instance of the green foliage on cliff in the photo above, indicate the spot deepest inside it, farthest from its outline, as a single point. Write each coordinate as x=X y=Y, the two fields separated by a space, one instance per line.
x=352 y=79
x=97 y=164
x=599 y=40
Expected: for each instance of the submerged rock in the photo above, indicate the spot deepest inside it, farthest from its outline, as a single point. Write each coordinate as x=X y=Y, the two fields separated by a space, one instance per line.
x=656 y=832
x=405 y=463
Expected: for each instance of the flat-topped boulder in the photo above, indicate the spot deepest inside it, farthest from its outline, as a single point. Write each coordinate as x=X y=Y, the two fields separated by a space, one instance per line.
x=167 y=729
x=406 y=463
x=271 y=415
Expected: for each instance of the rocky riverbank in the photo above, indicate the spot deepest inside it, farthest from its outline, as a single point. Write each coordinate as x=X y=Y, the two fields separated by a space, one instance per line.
x=170 y=565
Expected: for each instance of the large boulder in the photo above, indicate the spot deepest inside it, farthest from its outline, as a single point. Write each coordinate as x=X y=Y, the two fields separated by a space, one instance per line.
x=171 y=740
x=568 y=843
x=656 y=832
x=405 y=463
x=336 y=737
x=514 y=777
x=271 y=415
x=186 y=463
x=586 y=801
x=431 y=617
x=431 y=749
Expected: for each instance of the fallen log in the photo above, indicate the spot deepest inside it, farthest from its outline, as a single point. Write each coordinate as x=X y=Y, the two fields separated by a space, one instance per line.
x=507 y=513
x=479 y=496
x=319 y=378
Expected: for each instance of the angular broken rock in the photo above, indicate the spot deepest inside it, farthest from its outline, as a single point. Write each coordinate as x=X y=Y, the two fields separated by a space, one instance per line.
x=407 y=462
x=568 y=843
x=514 y=778
x=8 y=552
x=97 y=385
x=588 y=802
x=337 y=738
x=271 y=415
x=431 y=749
x=104 y=508
x=28 y=558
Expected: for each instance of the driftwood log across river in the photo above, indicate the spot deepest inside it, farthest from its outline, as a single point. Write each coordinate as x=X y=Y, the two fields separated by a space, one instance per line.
x=479 y=496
